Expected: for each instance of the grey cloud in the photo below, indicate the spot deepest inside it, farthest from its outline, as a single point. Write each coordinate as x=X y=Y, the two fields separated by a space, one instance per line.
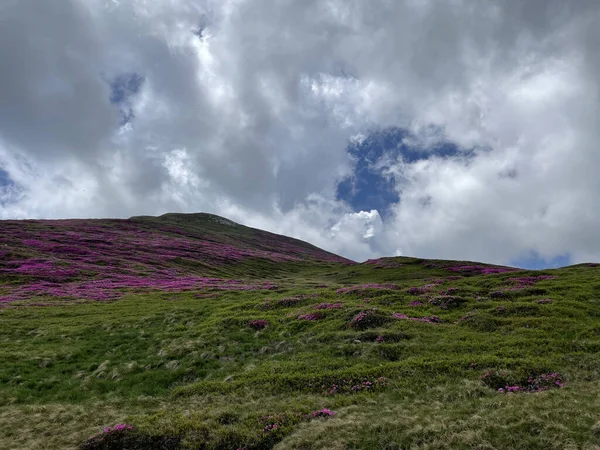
x=51 y=98
x=262 y=104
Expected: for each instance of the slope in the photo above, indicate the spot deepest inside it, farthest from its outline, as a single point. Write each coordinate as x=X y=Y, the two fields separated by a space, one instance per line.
x=102 y=259
x=395 y=353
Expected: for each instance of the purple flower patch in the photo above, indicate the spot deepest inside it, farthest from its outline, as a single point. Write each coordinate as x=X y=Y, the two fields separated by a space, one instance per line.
x=505 y=383
x=108 y=436
x=310 y=316
x=347 y=386
x=323 y=413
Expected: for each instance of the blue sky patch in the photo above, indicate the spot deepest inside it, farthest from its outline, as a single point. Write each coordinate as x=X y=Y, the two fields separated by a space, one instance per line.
x=368 y=188
x=535 y=262
x=6 y=185
x=5 y=179
x=122 y=88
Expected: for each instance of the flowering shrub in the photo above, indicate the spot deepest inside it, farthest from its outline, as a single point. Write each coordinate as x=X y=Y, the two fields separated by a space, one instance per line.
x=258 y=324
x=114 y=286
x=271 y=428
x=330 y=306
x=310 y=316
x=349 y=386
x=287 y=301
x=415 y=303
x=545 y=381
x=323 y=413
x=467 y=317
x=529 y=281
x=450 y=291
x=367 y=319
x=109 y=437
x=430 y=319
x=521 y=284
x=497 y=379
x=507 y=389
x=504 y=382
x=273 y=423
x=446 y=301
x=379 y=339
x=414 y=290
x=420 y=290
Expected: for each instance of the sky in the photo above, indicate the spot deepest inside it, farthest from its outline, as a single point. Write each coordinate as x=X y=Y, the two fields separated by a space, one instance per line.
x=453 y=130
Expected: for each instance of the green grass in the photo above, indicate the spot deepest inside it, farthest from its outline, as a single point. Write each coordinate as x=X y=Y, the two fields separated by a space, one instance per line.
x=189 y=368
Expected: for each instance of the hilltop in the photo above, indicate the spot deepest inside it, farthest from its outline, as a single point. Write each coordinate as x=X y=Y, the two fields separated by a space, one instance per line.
x=193 y=331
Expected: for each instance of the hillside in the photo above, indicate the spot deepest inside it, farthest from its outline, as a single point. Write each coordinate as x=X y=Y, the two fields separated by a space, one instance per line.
x=102 y=259
x=192 y=331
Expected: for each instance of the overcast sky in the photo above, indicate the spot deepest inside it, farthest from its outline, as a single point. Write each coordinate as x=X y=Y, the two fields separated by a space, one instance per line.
x=456 y=129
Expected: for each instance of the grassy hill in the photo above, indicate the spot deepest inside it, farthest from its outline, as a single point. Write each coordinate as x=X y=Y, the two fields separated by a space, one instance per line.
x=201 y=333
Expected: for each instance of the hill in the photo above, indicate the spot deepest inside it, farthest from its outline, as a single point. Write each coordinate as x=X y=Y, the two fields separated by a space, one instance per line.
x=101 y=259
x=192 y=331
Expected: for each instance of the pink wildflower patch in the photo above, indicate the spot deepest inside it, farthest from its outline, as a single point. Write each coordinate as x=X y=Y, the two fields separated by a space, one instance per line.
x=323 y=413
x=419 y=290
x=347 y=386
x=504 y=383
x=520 y=283
x=270 y=428
x=368 y=319
x=310 y=316
x=107 y=435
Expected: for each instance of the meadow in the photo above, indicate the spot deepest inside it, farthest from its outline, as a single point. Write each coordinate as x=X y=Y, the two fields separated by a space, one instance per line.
x=193 y=332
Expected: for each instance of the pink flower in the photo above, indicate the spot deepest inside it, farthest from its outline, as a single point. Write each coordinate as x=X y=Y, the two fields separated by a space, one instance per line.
x=323 y=413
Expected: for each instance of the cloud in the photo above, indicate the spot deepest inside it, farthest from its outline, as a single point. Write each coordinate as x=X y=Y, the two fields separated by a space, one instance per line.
x=246 y=109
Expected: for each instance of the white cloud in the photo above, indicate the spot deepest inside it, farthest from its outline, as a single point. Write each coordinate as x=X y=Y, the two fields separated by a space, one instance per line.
x=249 y=118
